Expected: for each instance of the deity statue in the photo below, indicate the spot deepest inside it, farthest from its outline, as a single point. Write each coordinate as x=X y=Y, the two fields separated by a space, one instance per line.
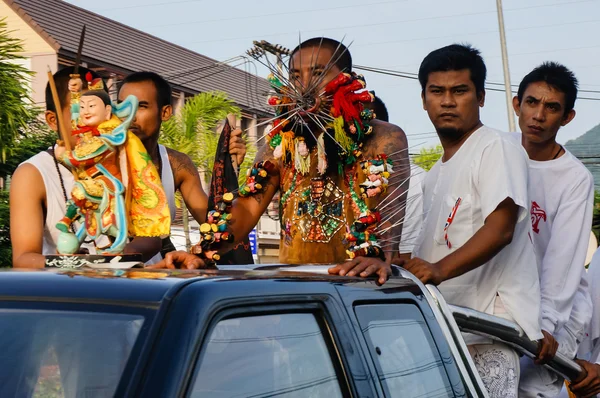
x=117 y=190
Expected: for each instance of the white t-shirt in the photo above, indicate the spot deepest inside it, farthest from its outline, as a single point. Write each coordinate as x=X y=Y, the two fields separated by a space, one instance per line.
x=561 y=194
x=55 y=199
x=413 y=216
x=168 y=183
x=590 y=347
x=488 y=168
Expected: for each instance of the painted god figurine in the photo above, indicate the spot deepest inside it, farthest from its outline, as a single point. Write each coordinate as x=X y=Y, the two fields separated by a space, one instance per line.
x=117 y=190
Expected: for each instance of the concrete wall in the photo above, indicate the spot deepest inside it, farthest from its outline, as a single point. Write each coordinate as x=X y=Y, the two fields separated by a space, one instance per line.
x=35 y=48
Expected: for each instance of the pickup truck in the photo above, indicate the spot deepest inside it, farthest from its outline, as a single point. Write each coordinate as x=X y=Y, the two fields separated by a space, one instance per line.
x=240 y=331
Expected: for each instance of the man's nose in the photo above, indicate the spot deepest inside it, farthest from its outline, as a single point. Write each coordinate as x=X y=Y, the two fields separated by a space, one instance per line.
x=448 y=99
x=540 y=114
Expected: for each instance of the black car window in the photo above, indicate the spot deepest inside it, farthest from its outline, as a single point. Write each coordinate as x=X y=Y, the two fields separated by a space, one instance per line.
x=46 y=353
x=402 y=347
x=279 y=355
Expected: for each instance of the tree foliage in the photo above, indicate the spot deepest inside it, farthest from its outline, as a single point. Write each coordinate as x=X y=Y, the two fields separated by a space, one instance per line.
x=427 y=157
x=15 y=104
x=192 y=131
x=37 y=137
x=5 y=245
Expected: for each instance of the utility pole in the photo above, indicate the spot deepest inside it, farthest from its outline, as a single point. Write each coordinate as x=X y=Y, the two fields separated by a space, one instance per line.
x=275 y=49
x=507 y=86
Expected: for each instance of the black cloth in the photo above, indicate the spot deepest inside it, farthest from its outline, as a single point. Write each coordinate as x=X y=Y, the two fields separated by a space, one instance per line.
x=224 y=179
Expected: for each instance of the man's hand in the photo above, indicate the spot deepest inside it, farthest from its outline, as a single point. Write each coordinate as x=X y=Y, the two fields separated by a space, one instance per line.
x=363 y=267
x=426 y=272
x=75 y=85
x=547 y=349
x=179 y=259
x=237 y=146
x=588 y=383
x=59 y=152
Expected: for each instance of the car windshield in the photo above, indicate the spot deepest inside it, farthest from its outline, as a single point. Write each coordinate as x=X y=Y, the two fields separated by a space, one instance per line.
x=49 y=353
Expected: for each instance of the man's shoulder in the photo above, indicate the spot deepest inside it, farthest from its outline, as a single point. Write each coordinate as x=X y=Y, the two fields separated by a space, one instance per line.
x=386 y=137
x=509 y=142
x=581 y=173
x=40 y=159
x=178 y=159
x=382 y=128
x=28 y=177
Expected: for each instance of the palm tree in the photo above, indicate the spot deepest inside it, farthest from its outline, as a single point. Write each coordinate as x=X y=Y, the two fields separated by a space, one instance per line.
x=192 y=131
x=15 y=104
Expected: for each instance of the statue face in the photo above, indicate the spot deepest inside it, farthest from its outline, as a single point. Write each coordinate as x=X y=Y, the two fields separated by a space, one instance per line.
x=93 y=111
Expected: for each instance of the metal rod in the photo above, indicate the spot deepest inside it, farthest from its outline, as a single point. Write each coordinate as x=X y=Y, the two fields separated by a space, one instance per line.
x=507 y=87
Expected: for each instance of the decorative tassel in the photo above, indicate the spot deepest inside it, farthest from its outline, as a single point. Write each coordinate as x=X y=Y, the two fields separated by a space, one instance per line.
x=287 y=145
x=301 y=157
x=340 y=134
x=321 y=157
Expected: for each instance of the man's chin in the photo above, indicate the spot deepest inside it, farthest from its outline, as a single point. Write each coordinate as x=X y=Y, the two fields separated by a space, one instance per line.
x=449 y=132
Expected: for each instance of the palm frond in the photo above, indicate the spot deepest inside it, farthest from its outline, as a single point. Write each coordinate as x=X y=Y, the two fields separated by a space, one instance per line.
x=193 y=131
x=16 y=108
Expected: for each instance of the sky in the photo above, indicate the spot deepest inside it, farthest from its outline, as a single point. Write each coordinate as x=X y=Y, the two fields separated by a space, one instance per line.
x=394 y=35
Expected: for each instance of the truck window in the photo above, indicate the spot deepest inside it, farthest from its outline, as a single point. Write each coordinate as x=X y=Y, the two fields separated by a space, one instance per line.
x=278 y=355
x=407 y=360
x=47 y=353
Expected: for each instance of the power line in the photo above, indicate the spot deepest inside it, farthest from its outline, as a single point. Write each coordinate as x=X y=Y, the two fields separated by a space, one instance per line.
x=151 y=5
x=353 y=27
x=413 y=76
x=276 y=14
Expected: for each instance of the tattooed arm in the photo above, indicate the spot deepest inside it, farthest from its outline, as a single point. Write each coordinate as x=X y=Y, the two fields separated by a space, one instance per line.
x=187 y=181
x=246 y=211
x=394 y=144
x=390 y=140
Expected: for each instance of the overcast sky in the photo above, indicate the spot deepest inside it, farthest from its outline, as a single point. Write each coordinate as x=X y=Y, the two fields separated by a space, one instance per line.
x=394 y=35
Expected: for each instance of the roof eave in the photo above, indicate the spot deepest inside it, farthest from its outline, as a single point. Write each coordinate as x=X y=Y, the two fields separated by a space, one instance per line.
x=34 y=25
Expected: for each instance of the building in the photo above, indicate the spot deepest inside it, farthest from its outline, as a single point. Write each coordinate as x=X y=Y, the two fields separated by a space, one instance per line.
x=50 y=31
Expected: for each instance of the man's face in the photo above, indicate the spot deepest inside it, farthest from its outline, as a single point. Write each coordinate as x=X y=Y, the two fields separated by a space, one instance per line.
x=93 y=111
x=310 y=70
x=149 y=116
x=541 y=112
x=452 y=103
x=52 y=119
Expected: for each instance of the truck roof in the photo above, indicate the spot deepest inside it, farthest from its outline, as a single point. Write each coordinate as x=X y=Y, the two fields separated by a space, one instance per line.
x=138 y=286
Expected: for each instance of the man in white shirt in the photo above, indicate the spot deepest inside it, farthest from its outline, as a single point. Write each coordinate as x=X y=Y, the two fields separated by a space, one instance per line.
x=589 y=351
x=561 y=192
x=474 y=243
x=413 y=218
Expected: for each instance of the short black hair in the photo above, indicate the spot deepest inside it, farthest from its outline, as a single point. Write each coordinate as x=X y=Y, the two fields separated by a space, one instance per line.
x=103 y=95
x=454 y=57
x=381 y=112
x=555 y=75
x=61 y=80
x=164 y=92
x=341 y=54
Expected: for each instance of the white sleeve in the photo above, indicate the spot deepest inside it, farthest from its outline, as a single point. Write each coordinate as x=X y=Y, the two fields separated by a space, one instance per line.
x=413 y=218
x=501 y=173
x=564 y=259
x=575 y=331
x=590 y=347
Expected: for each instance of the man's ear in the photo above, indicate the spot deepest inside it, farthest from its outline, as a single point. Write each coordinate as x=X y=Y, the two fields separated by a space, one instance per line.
x=423 y=99
x=166 y=113
x=51 y=120
x=567 y=119
x=517 y=105
x=481 y=98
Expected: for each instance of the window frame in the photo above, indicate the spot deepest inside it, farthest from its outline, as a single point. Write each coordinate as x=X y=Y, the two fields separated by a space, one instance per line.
x=451 y=370
x=316 y=309
x=138 y=352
